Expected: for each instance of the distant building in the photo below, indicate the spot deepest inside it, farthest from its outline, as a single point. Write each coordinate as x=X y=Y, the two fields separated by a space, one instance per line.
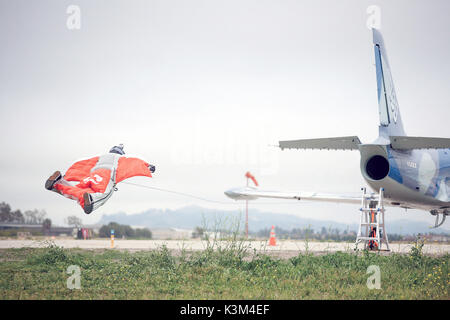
x=36 y=229
x=437 y=238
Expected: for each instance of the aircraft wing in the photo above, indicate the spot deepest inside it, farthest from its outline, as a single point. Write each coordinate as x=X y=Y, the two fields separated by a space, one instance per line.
x=405 y=143
x=252 y=193
x=339 y=143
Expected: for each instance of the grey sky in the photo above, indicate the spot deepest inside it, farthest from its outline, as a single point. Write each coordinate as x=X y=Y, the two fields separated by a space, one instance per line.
x=201 y=88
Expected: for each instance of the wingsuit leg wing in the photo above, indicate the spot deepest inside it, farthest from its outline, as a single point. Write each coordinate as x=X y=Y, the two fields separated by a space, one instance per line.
x=98 y=185
x=73 y=192
x=94 y=178
x=101 y=182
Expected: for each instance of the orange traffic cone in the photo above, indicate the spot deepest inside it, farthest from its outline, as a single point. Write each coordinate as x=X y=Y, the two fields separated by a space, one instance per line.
x=272 y=240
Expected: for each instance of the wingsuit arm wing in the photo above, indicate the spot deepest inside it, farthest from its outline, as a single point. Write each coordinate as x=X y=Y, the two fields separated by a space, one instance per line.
x=80 y=169
x=132 y=167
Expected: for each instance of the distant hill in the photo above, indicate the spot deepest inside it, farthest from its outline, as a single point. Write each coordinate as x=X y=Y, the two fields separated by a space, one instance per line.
x=194 y=216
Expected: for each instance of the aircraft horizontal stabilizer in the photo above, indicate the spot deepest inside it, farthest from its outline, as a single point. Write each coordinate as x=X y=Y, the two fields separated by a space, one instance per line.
x=406 y=143
x=339 y=143
x=252 y=193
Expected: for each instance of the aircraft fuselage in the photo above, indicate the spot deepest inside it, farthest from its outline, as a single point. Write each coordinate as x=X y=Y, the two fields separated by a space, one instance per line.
x=411 y=178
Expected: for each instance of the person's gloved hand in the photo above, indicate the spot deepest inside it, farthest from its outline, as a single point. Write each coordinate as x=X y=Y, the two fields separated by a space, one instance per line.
x=151 y=168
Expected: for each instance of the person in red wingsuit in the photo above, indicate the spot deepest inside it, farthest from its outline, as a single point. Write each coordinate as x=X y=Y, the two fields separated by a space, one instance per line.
x=97 y=177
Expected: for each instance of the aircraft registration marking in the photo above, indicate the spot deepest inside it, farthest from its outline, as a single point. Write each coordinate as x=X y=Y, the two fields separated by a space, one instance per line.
x=411 y=164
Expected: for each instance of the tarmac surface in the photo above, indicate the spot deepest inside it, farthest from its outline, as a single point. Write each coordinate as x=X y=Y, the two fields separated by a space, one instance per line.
x=284 y=248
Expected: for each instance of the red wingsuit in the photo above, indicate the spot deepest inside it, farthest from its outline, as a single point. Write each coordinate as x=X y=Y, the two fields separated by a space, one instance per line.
x=98 y=177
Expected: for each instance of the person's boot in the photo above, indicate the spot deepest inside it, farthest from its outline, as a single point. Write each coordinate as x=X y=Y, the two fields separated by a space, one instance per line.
x=88 y=203
x=52 y=180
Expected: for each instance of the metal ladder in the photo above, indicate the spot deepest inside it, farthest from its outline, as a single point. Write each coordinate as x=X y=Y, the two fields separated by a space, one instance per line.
x=372 y=231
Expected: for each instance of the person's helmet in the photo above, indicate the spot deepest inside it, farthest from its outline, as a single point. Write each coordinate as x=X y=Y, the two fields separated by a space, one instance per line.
x=117 y=149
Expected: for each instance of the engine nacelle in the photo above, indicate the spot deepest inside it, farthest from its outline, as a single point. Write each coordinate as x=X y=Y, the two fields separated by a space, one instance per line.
x=374 y=162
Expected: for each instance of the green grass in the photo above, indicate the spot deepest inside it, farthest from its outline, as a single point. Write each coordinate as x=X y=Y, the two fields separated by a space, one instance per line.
x=231 y=273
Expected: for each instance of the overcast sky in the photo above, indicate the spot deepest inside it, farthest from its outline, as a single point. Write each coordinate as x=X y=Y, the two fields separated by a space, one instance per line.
x=202 y=88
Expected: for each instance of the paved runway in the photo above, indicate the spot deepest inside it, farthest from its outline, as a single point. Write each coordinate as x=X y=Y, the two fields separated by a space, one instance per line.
x=284 y=248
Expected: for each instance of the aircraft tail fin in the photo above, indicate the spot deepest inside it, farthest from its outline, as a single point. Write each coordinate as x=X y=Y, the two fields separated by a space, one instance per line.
x=390 y=120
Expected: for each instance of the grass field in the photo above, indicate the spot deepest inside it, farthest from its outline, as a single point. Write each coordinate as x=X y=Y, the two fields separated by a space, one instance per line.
x=227 y=273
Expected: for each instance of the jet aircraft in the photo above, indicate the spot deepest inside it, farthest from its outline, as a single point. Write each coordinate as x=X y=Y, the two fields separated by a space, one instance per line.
x=414 y=172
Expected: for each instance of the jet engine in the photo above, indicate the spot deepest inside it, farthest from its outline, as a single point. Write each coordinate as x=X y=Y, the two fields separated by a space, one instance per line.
x=374 y=163
x=377 y=167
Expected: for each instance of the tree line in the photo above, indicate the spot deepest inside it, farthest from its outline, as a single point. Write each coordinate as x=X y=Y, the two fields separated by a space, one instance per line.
x=7 y=215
